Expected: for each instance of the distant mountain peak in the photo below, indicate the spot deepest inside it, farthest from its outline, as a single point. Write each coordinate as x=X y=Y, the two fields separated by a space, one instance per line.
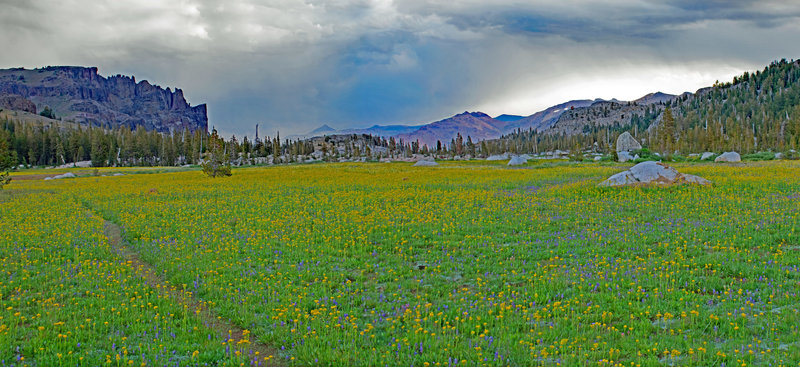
x=322 y=129
x=475 y=125
x=508 y=118
x=657 y=97
x=477 y=114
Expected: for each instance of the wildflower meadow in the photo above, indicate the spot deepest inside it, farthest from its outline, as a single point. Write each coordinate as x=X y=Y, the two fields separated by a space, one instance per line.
x=385 y=264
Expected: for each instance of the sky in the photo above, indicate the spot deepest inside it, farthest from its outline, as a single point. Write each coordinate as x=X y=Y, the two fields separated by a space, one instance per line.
x=293 y=65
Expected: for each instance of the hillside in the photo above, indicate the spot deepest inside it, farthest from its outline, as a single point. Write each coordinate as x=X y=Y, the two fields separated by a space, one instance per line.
x=80 y=94
x=545 y=119
x=756 y=111
x=605 y=114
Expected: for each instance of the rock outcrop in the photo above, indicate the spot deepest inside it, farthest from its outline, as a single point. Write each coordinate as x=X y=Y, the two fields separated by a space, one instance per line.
x=652 y=173
x=81 y=95
x=729 y=157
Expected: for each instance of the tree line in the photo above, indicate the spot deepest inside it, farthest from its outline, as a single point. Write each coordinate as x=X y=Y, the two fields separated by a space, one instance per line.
x=58 y=143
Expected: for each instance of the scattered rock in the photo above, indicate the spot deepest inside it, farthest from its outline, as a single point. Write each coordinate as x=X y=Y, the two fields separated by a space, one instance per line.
x=654 y=173
x=517 y=161
x=706 y=156
x=627 y=143
x=625 y=156
x=81 y=164
x=779 y=155
x=63 y=175
x=118 y=174
x=729 y=157
x=425 y=164
x=560 y=154
x=498 y=157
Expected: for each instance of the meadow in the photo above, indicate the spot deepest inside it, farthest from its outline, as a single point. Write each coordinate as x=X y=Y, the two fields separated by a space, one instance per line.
x=465 y=264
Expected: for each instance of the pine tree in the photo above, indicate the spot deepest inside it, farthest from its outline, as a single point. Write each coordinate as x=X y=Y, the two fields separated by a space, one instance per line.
x=7 y=159
x=216 y=162
x=666 y=132
x=99 y=152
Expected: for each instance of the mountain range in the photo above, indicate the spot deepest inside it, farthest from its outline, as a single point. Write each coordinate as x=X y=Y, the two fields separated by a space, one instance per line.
x=80 y=94
x=565 y=118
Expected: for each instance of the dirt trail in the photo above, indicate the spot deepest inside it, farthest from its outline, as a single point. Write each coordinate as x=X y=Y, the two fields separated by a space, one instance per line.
x=225 y=329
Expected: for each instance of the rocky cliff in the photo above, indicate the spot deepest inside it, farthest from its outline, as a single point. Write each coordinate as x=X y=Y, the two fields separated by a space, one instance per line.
x=81 y=95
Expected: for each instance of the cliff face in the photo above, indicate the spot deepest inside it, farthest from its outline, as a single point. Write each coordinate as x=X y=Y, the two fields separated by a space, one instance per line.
x=81 y=95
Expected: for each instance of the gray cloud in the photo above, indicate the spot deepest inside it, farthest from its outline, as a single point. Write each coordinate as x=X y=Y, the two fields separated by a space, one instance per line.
x=293 y=65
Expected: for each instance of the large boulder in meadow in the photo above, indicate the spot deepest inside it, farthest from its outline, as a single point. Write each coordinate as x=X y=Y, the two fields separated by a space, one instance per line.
x=627 y=143
x=424 y=163
x=652 y=173
x=517 y=161
x=729 y=157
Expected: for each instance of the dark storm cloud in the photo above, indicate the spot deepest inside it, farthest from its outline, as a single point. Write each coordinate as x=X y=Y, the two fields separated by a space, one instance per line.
x=293 y=65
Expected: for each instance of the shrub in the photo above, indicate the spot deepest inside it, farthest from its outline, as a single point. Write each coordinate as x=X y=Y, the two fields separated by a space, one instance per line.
x=759 y=156
x=48 y=112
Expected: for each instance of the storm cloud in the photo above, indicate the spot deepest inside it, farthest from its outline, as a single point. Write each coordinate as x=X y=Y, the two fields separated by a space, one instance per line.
x=293 y=65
